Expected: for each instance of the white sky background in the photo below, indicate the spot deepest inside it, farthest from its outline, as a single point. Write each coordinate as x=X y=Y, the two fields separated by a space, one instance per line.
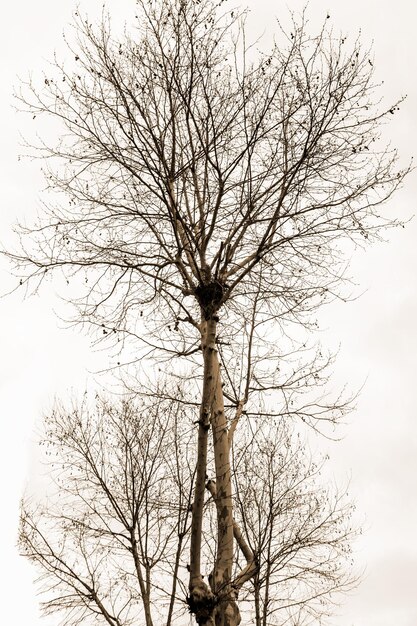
x=377 y=332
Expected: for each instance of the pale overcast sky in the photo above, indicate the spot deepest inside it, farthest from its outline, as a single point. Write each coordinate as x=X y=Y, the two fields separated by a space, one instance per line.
x=377 y=332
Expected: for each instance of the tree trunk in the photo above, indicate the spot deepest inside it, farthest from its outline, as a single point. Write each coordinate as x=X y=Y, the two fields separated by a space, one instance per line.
x=144 y=586
x=257 y=601
x=214 y=605
x=174 y=581
x=201 y=600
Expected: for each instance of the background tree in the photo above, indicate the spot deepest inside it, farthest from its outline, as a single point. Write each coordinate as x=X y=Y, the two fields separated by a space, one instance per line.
x=111 y=539
x=208 y=195
x=300 y=531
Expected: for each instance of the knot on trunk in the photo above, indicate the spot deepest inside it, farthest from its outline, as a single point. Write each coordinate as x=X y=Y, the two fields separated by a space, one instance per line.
x=209 y=297
x=201 y=603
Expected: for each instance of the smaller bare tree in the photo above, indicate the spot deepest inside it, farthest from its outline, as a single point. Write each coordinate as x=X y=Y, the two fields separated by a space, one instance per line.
x=299 y=531
x=109 y=546
x=112 y=543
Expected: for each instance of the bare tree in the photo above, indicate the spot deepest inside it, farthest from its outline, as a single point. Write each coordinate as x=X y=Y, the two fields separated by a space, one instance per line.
x=300 y=532
x=206 y=194
x=111 y=539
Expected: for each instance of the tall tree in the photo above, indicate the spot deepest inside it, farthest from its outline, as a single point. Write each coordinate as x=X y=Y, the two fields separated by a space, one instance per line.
x=207 y=194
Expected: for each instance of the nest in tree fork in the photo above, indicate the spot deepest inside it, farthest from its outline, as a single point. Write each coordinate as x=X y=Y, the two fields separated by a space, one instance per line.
x=209 y=297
